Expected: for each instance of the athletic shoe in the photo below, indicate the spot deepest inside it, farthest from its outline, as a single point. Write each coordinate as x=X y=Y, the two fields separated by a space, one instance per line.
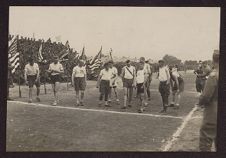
x=129 y=105
x=81 y=103
x=54 y=103
x=198 y=95
x=30 y=101
x=163 y=111
x=38 y=99
x=172 y=105
x=124 y=107
x=141 y=110
x=117 y=100
x=149 y=99
x=177 y=106
x=100 y=103
x=109 y=100
x=106 y=104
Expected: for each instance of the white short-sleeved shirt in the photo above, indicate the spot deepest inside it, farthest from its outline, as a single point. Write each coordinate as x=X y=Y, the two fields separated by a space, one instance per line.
x=163 y=71
x=128 y=75
x=140 y=76
x=31 y=70
x=106 y=75
x=114 y=74
x=114 y=71
x=175 y=73
x=79 y=71
x=147 y=68
x=56 y=67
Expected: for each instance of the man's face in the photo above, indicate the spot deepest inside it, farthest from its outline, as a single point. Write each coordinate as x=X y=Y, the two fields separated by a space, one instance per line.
x=161 y=64
x=106 y=66
x=55 y=61
x=141 y=66
x=31 y=62
x=81 y=64
x=204 y=64
x=128 y=64
x=110 y=65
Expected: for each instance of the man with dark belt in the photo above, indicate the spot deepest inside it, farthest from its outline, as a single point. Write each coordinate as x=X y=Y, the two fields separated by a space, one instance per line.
x=31 y=76
x=164 y=84
x=147 y=69
x=209 y=99
x=128 y=79
x=201 y=75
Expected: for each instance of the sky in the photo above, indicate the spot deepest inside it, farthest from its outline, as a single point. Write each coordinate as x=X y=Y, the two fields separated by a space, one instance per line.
x=187 y=33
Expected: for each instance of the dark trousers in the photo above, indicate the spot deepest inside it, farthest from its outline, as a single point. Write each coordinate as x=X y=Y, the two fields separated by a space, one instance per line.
x=164 y=90
x=207 y=136
x=104 y=89
x=200 y=83
x=147 y=85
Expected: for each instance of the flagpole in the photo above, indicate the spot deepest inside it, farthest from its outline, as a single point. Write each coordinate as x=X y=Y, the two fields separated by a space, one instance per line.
x=20 y=71
x=45 y=84
x=19 y=81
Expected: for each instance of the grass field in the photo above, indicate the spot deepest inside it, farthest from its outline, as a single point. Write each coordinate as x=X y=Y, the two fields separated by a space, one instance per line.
x=66 y=127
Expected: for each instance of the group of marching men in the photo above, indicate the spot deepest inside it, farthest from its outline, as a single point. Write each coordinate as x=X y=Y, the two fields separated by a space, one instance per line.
x=107 y=82
x=206 y=85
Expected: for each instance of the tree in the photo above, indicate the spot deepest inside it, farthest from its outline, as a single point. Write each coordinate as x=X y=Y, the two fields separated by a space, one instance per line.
x=171 y=60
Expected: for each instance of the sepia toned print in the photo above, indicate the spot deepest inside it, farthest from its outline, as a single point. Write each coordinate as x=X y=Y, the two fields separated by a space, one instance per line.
x=112 y=79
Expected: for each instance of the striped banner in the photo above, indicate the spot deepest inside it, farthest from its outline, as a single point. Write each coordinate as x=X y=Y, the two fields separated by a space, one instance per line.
x=13 y=55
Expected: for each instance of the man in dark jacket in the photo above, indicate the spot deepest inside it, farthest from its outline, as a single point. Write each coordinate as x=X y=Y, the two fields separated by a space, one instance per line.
x=209 y=99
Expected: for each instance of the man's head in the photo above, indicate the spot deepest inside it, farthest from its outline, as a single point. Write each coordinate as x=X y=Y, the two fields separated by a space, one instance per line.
x=128 y=63
x=55 y=59
x=110 y=63
x=31 y=61
x=171 y=67
x=81 y=63
x=106 y=66
x=161 y=63
x=141 y=66
x=216 y=56
x=204 y=63
x=142 y=59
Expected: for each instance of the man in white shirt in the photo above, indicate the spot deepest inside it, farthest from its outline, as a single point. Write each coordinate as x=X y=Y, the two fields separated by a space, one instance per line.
x=164 y=84
x=55 y=70
x=141 y=79
x=113 y=81
x=78 y=79
x=31 y=77
x=128 y=77
x=148 y=72
x=103 y=83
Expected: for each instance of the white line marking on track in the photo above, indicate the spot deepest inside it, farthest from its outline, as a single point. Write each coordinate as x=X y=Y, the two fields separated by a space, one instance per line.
x=176 y=135
x=97 y=110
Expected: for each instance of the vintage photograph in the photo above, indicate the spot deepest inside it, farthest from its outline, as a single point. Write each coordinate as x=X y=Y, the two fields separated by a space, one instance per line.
x=112 y=79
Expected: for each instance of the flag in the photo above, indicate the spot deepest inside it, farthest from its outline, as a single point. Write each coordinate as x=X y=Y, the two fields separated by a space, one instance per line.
x=97 y=56
x=64 y=53
x=40 y=57
x=67 y=45
x=96 y=62
x=83 y=56
x=111 y=54
x=13 y=54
